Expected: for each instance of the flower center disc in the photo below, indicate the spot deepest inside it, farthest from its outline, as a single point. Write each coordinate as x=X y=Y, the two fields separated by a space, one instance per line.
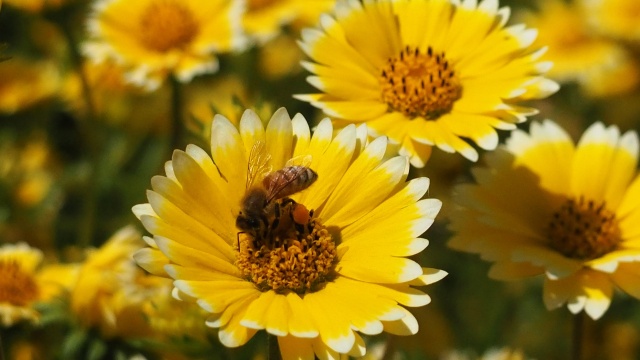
x=16 y=287
x=167 y=25
x=584 y=230
x=292 y=257
x=417 y=84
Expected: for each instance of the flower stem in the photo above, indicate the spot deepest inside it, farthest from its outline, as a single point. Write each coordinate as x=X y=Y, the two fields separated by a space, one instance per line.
x=577 y=336
x=177 y=125
x=87 y=130
x=273 y=348
x=1 y=349
x=390 y=348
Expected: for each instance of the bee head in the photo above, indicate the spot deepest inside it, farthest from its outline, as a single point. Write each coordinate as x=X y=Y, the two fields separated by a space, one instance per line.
x=247 y=223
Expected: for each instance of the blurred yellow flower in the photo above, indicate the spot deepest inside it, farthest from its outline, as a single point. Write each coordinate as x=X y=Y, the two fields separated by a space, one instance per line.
x=117 y=102
x=263 y=19
x=620 y=76
x=23 y=282
x=573 y=47
x=224 y=95
x=36 y=5
x=111 y=291
x=29 y=170
x=491 y=354
x=26 y=83
x=280 y=57
x=170 y=318
x=315 y=277
x=617 y=18
x=600 y=65
x=425 y=73
x=157 y=38
x=545 y=206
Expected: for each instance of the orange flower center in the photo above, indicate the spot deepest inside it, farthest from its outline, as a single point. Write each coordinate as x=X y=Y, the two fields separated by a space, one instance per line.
x=16 y=286
x=418 y=84
x=167 y=25
x=293 y=256
x=583 y=229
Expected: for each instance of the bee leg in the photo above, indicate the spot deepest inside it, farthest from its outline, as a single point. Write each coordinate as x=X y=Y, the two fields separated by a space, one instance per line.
x=276 y=220
x=311 y=224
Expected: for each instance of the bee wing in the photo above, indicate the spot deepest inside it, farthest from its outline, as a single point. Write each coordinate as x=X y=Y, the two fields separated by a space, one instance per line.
x=258 y=164
x=280 y=180
x=301 y=160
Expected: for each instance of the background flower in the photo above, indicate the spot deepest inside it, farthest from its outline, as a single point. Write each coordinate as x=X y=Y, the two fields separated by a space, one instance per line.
x=24 y=282
x=156 y=38
x=425 y=73
x=548 y=208
x=600 y=65
x=264 y=19
x=617 y=18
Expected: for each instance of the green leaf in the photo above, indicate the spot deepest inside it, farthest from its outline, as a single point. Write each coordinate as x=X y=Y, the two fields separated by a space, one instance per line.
x=73 y=344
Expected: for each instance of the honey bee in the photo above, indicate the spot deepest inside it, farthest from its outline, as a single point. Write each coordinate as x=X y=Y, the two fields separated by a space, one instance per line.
x=260 y=213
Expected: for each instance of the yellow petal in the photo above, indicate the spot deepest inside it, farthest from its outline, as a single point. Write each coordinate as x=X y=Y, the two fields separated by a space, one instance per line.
x=378 y=269
x=373 y=181
x=251 y=130
x=181 y=254
x=152 y=260
x=279 y=137
x=407 y=325
x=330 y=165
x=227 y=151
x=256 y=314
x=335 y=330
x=292 y=347
x=301 y=135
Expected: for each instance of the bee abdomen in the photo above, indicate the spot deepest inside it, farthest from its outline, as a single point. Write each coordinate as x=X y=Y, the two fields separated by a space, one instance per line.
x=290 y=180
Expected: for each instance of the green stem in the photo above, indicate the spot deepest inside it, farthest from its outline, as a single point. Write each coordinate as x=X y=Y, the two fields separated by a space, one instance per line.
x=1 y=349
x=86 y=127
x=177 y=126
x=577 y=336
x=273 y=348
x=390 y=349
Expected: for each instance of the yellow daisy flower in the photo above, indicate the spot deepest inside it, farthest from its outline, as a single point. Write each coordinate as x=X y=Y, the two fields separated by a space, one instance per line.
x=569 y=212
x=620 y=76
x=23 y=282
x=617 y=18
x=280 y=57
x=36 y=5
x=26 y=83
x=156 y=38
x=574 y=48
x=225 y=95
x=264 y=18
x=111 y=291
x=313 y=267
x=425 y=73
x=601 y=66
x=491 y=354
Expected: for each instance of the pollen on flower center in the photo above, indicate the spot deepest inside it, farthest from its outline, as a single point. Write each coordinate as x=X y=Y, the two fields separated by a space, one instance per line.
x=292 y=257
x=16 y=287
x=166 y=25
x=583 y=229
x=418 y=84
